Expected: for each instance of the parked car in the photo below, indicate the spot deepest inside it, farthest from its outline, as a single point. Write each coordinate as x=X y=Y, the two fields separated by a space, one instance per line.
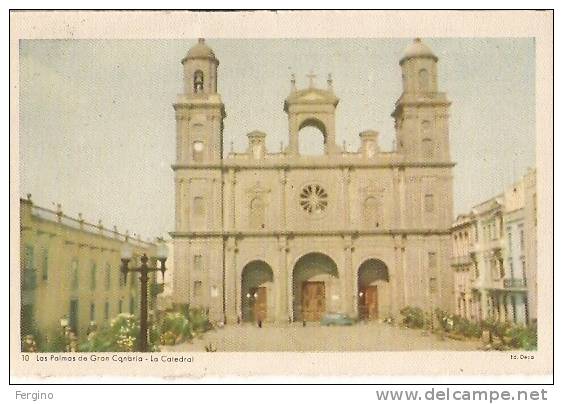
x=336 y=319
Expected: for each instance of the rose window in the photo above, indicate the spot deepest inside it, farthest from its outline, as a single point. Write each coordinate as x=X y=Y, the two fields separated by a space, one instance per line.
x=313 y=199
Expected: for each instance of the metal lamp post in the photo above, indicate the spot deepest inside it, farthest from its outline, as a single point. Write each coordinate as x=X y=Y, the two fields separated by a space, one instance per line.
x=143 y=270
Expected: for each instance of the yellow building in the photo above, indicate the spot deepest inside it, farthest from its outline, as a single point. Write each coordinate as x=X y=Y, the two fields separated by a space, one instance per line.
x=70 y=272
x=494 y=256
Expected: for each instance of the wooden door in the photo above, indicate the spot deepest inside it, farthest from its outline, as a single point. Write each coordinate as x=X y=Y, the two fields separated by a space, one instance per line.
x=260 y=303
x=368 y=303
x=313 y=300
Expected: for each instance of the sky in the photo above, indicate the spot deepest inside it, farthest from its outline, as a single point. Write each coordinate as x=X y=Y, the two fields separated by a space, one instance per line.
x=97 y=127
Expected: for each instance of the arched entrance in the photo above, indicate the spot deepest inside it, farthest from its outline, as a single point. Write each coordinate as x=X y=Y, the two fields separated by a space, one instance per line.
x=316 y=287
x=373 y=289
x=257 y=291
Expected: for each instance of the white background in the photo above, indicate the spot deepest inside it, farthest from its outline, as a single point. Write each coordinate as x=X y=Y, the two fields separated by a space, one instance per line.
x=249 y=394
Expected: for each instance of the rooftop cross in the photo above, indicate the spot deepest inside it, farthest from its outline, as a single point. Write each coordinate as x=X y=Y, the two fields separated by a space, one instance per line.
x=311 y=77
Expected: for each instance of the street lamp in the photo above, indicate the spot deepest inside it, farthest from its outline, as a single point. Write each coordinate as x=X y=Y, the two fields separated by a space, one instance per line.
x=144 y=269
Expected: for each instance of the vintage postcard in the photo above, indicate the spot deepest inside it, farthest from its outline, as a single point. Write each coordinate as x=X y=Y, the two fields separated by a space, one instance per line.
x=310 y=193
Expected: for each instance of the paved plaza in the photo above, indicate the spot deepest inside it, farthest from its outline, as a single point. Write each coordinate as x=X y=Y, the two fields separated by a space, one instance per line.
x=314 y=337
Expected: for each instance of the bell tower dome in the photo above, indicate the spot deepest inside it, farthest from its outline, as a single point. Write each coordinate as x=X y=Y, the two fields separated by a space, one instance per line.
x=199 y=110
x=200 y=69
x=421 y=112
x=418 y=65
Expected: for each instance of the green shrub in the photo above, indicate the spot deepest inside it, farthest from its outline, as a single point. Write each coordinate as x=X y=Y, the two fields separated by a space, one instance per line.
x=197 y=317
x=489 y=326
x=522 y=337
x=121 y=336
x=199 y=320
x=467 y=328
x=413 y=317
x=174 y=328
x=455 y=324
x=501 y=330
x=445 y=320
x=515 y=336
x=55 y=342
x=100 y=341
x=28 y=343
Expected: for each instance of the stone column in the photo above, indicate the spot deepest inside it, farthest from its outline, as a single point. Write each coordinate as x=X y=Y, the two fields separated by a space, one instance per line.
x=214 y=212
x=392 y=289
x=404 y=275
x=502 y=311
x=282 y=313
x=179 y=205
x=232 y=198
x=238 y=283
x=289 y=277
x=293 y=136
x=189 y=220
x=484 y=305
x=510 y=312
x=402 y=205
x=283 y=204
x=348 y=290
x=181 y=144
x=331 y=147
x=346 y=188
x=230 y=282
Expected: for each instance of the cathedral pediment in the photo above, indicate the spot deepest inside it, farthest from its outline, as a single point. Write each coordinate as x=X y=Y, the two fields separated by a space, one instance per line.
x=311 y=96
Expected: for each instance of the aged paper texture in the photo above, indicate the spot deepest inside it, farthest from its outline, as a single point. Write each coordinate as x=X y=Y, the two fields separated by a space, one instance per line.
x=317 y=193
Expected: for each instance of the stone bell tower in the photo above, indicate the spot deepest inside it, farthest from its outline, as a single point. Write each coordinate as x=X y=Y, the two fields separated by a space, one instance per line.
x=198 y=182
x=199 y=143
x=311 y=107
x=199 y=110
x=421 y=113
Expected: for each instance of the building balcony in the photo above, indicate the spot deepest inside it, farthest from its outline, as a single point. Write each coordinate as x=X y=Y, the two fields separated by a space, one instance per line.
x=514 y=283
x=461 y=260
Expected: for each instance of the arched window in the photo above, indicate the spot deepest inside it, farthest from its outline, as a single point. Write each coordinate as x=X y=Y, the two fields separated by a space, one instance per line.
x=197 y=151
x=198 y=81
x=312 y=137
x=257 y=213
x=427 y=148
x=423 y=80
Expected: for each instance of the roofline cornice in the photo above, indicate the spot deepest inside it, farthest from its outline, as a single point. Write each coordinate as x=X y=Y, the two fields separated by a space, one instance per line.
x=318 y=165
x=298 y=233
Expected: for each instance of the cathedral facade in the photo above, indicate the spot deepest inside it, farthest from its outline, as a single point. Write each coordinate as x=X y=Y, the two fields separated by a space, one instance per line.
x=287 y=237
